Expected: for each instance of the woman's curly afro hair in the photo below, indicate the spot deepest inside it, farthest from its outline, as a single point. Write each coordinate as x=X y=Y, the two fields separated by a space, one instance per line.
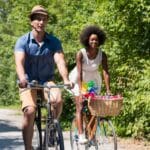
x=86 y=33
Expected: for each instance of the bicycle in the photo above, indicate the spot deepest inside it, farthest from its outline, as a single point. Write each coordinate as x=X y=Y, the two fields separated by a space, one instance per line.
x=49 y=136
x=97 y=125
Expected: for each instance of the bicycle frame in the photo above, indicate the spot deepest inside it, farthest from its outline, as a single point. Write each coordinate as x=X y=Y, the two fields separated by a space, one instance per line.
x=97 y=130
x=38 y=120
x=91 y=121
x=50 y=120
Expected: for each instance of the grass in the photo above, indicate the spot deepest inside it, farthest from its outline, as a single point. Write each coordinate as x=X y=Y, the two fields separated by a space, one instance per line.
x=14 y=107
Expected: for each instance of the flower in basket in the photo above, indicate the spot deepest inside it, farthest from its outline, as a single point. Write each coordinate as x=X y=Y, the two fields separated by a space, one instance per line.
x=87 y=95
x=91 y=84
x=84 y=88
x=89 y=89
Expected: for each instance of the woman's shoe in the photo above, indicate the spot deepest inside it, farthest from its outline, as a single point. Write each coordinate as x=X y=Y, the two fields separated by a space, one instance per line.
x=82 y=139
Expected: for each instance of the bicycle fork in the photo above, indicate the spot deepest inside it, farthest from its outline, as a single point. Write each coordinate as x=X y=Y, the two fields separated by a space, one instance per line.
x=38 y=123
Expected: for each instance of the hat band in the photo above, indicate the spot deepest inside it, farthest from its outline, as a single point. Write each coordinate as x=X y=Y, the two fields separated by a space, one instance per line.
x=40 y=11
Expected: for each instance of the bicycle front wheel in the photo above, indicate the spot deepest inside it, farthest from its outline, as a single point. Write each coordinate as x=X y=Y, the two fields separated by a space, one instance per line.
x=105 y=135
x=74 y=137
x=54 y=137
x=37 y=137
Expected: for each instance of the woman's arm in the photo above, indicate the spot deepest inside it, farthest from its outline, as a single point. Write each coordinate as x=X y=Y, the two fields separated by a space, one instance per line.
x=79 y=68
x=106 y=72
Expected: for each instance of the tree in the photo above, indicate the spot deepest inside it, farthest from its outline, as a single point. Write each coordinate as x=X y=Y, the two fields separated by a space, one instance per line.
x=127 y=25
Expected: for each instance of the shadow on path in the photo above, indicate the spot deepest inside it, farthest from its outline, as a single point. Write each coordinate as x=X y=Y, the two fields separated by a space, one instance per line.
x=6 y=126
x=10 y=133
x=11 y=144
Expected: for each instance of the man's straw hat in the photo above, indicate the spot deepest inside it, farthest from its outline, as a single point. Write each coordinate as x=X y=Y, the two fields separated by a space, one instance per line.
x=38 y=9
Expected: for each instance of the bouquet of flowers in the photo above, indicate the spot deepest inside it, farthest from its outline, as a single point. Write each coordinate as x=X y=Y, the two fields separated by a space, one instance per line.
x=89 y=89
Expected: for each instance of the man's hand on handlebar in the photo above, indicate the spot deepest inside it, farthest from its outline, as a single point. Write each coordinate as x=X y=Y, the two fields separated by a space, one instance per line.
x=69 y=83
x=22 y=83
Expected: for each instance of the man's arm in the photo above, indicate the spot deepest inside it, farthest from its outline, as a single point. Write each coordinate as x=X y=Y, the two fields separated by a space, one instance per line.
x=61 y=65
x=19 y=60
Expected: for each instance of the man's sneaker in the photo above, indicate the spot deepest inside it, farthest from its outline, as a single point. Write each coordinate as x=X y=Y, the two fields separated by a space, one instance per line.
x=82 y=140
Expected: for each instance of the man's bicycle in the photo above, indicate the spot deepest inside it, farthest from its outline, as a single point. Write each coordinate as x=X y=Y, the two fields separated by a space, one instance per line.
x=47 y=131
x=97 y=125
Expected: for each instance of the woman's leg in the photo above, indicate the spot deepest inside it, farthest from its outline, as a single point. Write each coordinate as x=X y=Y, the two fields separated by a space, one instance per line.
x=79 y=120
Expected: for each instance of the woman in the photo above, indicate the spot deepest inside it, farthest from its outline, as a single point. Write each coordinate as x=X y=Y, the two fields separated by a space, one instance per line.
x=88 y=61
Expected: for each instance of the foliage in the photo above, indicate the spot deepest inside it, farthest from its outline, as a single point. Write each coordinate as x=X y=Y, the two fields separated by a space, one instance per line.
x=132 y=75
x=127 y=25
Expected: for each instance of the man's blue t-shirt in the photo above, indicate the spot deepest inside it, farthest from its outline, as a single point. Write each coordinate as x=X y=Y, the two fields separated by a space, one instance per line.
x=39 y=60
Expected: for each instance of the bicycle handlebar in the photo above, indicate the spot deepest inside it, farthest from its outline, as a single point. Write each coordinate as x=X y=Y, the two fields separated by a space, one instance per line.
x=35 y=85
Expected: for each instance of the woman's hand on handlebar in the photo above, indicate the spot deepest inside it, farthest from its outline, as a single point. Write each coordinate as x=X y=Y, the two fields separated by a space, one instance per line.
x=109 y=93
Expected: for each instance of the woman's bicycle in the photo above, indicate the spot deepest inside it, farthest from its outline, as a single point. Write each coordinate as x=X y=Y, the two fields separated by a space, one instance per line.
x=97 y=125
x=47 y=131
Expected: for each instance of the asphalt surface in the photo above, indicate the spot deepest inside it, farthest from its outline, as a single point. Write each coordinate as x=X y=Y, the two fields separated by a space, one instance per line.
x=11 y=136
x=10 y=131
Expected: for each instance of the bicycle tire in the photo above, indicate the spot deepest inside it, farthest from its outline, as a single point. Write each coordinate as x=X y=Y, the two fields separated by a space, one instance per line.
x=57 y=137
x=75 y=145
x=37 y=134
x=105 y=135
x=36 y=140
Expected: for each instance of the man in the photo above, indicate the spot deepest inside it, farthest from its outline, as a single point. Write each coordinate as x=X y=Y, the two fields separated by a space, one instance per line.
x=35 y=55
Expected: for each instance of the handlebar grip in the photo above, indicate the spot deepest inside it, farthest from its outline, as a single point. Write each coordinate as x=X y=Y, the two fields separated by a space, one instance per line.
x=34 y=82
x=67 y=85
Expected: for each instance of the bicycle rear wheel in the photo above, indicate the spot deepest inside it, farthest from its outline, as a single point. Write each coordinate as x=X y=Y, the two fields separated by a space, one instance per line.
x=54 y=137
x=105 y=135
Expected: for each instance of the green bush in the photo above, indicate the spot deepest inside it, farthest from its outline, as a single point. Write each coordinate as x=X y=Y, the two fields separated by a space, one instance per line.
x=126 y=24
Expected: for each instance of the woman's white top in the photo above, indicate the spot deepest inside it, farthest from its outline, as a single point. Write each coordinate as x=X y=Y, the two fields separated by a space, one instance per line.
x=90 y=71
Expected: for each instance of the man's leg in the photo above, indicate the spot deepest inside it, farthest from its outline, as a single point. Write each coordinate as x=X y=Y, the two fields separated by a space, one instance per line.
x=28 y=99
x=55 y=99
x=27 y=127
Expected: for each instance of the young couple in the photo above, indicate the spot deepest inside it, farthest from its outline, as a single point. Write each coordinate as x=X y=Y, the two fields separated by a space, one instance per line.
x=36 y=54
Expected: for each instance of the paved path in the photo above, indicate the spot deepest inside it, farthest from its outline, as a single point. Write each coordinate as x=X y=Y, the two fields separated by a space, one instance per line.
x=11 y=137
x=10 y=131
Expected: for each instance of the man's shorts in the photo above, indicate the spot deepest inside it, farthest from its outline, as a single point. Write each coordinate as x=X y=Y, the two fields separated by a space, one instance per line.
x=28 y=97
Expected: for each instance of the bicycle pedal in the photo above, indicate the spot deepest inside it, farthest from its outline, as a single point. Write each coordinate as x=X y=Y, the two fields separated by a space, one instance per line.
x=36 y=148
x=51 y=142
x=76 y=138
x=51 y=145
x=93 y=142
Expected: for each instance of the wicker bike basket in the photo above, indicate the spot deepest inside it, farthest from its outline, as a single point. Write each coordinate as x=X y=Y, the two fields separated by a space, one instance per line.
x=101 y=106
